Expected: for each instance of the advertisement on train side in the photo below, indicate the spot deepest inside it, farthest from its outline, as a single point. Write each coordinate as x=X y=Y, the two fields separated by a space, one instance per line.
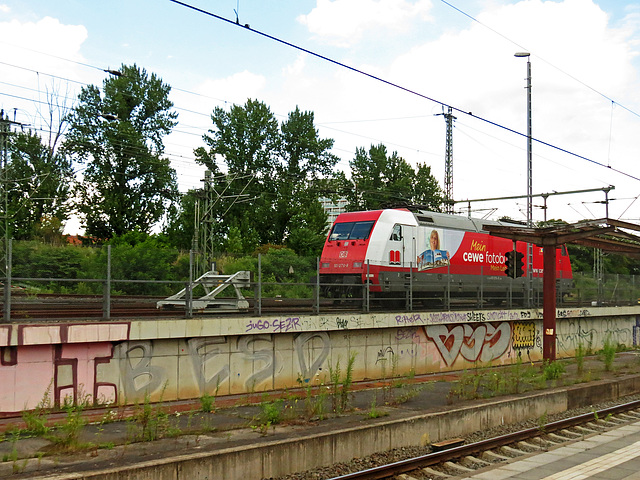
x=439 y=247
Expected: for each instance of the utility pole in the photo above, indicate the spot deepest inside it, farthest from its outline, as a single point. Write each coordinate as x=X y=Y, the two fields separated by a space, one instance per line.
x=205 y=225
x=5 y=130
x=527 y=55
x=448 y=162
x=5 y=249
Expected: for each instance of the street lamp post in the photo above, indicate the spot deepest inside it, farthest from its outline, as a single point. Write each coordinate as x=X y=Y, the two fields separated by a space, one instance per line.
x=527 y=55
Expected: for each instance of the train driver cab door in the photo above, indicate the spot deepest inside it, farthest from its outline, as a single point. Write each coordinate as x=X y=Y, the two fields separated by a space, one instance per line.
x=400 y=243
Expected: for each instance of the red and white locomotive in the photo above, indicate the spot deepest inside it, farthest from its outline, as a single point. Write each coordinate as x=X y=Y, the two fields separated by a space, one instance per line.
x=427 y=252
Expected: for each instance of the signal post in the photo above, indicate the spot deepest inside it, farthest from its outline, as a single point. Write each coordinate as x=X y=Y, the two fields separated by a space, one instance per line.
x=549 y=303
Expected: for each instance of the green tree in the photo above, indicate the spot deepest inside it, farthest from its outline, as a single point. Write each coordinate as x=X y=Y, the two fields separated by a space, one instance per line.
x=247 y=138
x=380 y=180
x=306 y=161
x=117 y=134
x=180 y=227
x=139 y=256
x=38 y=189
x=426 y=189
x=268 y=194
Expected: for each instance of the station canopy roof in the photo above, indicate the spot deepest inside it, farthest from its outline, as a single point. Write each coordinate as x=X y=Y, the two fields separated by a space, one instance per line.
x=605 y=233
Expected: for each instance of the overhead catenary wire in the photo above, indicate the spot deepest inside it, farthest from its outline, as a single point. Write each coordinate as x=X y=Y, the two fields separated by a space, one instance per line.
x=400 y=87
x=613 y=102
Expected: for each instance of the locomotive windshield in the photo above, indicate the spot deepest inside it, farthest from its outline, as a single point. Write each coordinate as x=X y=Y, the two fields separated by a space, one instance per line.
x=351 y=231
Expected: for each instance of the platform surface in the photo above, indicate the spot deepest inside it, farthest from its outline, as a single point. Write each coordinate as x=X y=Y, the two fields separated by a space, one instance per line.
x=613 y=455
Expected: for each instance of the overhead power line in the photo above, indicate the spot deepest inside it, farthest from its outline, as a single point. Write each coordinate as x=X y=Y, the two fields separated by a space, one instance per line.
x=540 y=58
x=400 y=87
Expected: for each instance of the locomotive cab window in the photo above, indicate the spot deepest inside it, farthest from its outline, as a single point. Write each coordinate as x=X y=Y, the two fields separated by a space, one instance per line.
x=351 y=231
x=396 y=234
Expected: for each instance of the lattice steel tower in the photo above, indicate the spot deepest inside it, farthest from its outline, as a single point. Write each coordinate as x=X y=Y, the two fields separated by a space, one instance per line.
x=448 y=163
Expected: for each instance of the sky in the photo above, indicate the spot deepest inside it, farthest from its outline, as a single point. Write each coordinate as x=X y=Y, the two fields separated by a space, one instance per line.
x=418 y=57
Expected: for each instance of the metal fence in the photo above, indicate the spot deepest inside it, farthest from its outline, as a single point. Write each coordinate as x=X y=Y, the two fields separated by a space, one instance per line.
x=106 y=282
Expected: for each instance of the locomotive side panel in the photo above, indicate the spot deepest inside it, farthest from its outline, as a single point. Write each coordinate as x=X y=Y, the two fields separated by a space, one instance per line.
x=429 y=253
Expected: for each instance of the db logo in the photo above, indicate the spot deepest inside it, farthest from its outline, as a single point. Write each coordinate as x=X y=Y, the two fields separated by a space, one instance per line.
x=344 y=253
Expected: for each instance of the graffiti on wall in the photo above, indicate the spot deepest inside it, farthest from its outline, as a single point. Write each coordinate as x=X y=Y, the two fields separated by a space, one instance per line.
x=136 y=368
x=485 y=342
x=100 y=362
x=524 y=335
x=58 y=362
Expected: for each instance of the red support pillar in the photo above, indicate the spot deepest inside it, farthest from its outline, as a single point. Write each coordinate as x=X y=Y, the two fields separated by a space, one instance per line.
x=549 y=309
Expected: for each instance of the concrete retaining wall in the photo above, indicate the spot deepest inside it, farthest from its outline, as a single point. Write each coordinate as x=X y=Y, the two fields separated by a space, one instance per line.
x=124 y=361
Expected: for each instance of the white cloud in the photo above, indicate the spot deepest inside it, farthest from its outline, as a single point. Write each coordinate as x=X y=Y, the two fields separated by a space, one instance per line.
x=475 y=70
x=4 y=8
x=38 y=52
x=344 y=22
x=48 y=36
x=237 y=87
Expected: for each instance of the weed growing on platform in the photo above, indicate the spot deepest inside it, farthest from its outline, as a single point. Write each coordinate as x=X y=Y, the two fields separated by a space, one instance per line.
x=552 y=370
x=67 y=434
x=374 y=411
x=150 y=422
x=347 y=382
x=608 y=354
x=580 y=353
x=13 y=456
x=207 y=403
x=334 y=376
x=36 y=419
x=314 y=405
x=341 y=386
x=271 y=412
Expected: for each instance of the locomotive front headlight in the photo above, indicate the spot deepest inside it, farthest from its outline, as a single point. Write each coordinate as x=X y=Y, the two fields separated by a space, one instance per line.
x=357 y=264
x=325 y=265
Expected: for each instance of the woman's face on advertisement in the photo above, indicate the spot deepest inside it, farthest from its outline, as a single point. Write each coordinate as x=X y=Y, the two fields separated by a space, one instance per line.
x=433 y=241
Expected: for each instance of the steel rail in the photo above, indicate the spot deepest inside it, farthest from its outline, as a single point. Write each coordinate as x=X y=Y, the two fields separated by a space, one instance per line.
x=430 y=459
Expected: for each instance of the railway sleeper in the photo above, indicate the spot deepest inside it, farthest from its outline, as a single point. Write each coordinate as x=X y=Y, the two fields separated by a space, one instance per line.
x=570 y=434
x=458 y=468
x=559 y=438
x=584 y=430
x=434 y=473
x=595 y=427
x=494 y=457
x=529 y=447
x=512 y=452
x=627 y=417
x=404 y=476
x=610 y=423
x=474 y=462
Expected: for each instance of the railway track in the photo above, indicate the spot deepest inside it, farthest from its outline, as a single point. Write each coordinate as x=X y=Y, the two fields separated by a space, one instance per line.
x=464 y=459
x=58 y=306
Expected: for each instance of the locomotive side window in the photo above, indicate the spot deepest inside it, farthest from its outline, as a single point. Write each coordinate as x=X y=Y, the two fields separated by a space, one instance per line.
x=351 y=231
x=396 y=234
